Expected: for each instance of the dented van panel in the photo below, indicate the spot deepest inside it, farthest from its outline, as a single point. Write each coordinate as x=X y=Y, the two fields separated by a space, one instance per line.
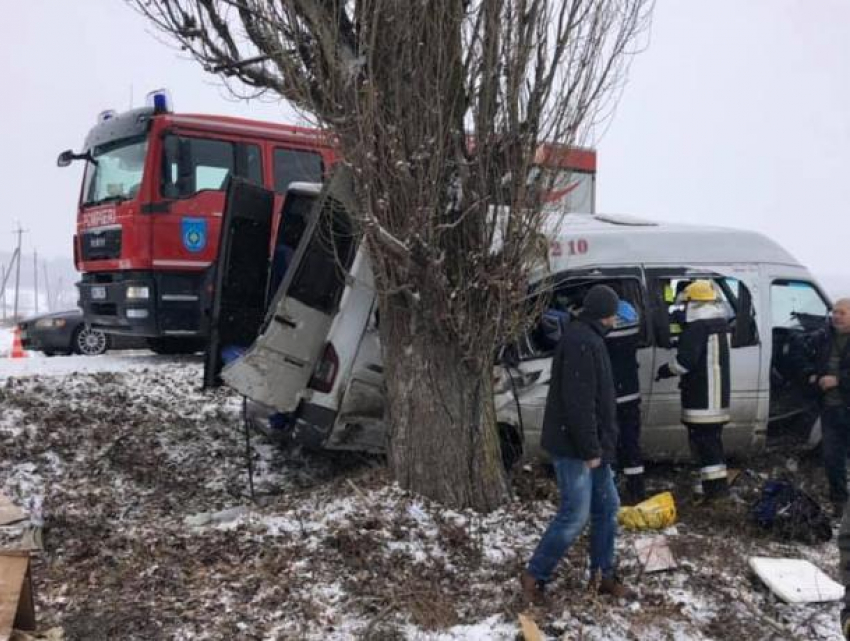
x=276 y=369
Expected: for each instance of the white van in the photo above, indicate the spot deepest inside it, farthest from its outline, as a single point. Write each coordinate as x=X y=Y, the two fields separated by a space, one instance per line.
x=316 y=360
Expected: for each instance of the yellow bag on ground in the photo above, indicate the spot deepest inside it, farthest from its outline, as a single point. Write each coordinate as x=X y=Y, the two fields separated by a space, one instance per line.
x=655 y=513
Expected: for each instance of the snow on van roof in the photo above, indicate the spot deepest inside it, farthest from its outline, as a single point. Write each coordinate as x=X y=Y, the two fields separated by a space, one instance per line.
x=589 y=240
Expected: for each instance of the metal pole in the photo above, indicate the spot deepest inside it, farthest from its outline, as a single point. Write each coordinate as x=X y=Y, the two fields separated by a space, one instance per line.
x=3 y=293
x=35 y=276
x=47 y=286
x=19 y=232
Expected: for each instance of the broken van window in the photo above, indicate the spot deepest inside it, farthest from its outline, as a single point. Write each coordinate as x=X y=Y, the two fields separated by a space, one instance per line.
x=320 y=275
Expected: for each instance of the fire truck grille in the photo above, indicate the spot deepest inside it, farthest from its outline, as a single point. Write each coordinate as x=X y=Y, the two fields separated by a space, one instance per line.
x=101 y=244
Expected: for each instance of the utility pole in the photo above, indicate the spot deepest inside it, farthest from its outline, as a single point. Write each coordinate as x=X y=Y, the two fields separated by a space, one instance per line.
x=35 y=276
x=7 y=273
x=19 y=232
x=47 y=286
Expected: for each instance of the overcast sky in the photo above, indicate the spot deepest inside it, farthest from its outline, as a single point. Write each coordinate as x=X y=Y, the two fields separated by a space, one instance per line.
x=737 y=114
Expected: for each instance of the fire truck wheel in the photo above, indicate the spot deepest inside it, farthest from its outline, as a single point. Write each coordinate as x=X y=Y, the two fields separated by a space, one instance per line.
x=172 y=345
x=89 y=342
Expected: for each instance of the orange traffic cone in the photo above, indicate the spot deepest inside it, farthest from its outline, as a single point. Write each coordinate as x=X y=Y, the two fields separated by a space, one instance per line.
x=17 y=348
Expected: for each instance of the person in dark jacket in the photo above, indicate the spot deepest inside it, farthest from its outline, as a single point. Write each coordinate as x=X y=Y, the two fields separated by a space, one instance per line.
x=702 y=361
x=580 y=435
x=622 y=342
x=832 y=376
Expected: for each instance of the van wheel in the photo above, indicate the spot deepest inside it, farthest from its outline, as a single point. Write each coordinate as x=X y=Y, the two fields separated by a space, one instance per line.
x=510 y=442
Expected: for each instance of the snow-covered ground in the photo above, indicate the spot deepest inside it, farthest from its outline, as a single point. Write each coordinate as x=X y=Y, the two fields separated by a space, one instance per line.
x=150 y=531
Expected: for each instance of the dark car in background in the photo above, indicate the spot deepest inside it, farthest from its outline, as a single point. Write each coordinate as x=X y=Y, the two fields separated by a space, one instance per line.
x=67 y=333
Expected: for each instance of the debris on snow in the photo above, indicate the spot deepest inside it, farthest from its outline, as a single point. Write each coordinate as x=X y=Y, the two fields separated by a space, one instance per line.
x=654 y=554
x=221 y=518
x=9 y=512
x=796 y=580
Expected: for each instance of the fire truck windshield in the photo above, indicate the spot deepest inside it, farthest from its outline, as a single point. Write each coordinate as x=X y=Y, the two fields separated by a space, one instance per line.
x=116 y=171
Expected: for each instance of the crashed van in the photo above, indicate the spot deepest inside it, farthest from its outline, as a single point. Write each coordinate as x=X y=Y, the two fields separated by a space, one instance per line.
x=308 y=324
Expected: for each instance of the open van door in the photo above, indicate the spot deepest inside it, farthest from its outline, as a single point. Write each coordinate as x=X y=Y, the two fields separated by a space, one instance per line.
x=748 y=396
x=278 y=368
x=240 y=277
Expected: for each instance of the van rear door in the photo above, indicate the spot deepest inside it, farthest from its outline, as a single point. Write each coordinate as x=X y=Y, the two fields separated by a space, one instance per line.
x=278 y=367
x=240 y=276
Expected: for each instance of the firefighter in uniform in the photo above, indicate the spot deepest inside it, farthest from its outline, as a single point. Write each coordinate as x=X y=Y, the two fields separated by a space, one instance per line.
x=702 y=362
x=622 y=342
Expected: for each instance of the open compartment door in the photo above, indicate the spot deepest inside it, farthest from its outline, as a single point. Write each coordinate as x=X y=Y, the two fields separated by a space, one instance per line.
x=240 y=277
x=278 y=368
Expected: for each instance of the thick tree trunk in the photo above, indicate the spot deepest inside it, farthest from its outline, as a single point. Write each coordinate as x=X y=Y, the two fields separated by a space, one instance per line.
x=443 y=438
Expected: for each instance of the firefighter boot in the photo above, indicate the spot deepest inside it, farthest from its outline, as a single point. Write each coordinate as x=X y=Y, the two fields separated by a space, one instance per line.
x=635 y=489
x=715 y=489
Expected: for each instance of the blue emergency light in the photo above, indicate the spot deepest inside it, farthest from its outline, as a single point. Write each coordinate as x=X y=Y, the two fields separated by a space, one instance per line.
x=106 y=114
x=160 y=100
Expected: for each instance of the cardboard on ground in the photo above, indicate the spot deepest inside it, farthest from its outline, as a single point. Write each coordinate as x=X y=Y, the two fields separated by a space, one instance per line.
x=654 y=554
x=796 y=580
x=9 y=512
x=16 y=599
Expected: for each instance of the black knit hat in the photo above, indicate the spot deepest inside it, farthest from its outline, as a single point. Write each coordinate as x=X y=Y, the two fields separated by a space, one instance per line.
x=600 y=302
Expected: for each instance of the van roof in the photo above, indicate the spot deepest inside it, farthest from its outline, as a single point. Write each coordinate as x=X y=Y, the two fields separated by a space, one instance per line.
x=590 y=240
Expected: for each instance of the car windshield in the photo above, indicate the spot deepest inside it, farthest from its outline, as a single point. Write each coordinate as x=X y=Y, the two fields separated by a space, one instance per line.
x=116 y=171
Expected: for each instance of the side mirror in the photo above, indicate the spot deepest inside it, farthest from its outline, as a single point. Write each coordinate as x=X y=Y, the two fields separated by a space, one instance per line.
x=65 y=158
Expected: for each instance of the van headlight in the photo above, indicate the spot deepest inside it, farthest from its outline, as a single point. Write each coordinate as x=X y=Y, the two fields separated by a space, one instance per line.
x=138 y=292
x=501 y=382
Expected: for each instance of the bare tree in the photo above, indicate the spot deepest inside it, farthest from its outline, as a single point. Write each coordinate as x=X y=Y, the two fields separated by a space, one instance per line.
x=440 y=107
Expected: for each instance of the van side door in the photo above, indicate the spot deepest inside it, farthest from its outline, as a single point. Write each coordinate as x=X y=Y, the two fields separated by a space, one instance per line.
x=663 y=431
x=799 y=311
x=278 y=367
x=240 y=275
x=521 y=392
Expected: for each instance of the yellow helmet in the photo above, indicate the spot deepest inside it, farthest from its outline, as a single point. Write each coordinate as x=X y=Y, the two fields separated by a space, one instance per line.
x=700 y=291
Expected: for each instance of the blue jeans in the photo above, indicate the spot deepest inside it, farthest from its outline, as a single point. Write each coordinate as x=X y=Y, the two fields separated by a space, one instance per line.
x=835 y=423
x=585 y=493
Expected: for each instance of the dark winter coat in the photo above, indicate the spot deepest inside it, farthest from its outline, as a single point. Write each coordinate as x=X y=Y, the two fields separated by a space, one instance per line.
x=580 y=417
x=702 y=360
x=823 y=341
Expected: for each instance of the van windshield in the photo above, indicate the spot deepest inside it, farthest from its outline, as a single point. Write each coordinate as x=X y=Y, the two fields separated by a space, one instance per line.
x=116 y=173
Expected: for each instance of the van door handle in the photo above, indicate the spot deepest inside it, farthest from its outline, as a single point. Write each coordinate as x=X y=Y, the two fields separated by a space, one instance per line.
x=283 y=320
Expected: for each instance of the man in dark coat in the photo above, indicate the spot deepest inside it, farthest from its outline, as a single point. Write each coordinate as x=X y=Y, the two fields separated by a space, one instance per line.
x=702 y=362
x=832 y=367
x=580 y=436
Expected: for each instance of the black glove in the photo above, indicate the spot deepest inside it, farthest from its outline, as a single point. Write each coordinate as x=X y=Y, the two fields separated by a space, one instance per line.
x=664 y=372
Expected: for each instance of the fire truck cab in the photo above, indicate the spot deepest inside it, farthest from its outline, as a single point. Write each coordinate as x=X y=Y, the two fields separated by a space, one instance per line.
x=150 y=209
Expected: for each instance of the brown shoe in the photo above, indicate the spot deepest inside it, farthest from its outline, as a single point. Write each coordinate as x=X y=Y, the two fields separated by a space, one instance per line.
x=532 y=589
x=611 y=587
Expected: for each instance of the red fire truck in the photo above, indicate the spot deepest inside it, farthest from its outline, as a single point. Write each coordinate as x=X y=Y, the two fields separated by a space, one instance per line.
x=152 y=199
x=150 y=210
